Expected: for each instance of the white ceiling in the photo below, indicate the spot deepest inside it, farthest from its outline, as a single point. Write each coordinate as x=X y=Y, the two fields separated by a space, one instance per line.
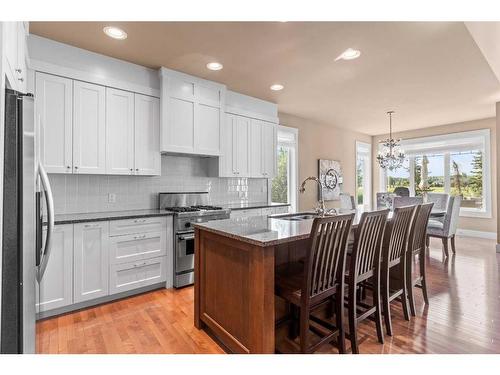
x=430 y=73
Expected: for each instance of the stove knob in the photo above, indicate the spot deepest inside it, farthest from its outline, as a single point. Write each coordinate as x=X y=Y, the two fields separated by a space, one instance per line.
x=187 y=225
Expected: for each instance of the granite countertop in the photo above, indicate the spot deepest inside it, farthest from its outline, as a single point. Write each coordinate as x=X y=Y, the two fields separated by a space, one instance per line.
x=249 y=205
x=260 y=230
x=269 y=231
x=110 y=215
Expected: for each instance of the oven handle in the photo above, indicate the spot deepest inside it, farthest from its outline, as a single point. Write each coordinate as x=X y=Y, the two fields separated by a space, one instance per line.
x=186 y=238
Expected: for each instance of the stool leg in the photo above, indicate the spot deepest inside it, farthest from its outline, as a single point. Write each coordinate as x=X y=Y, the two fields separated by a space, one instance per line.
x=409 y=282
x=353 y=324
x=385 y=301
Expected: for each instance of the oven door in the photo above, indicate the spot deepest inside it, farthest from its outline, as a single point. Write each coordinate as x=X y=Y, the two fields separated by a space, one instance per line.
x=184 y=258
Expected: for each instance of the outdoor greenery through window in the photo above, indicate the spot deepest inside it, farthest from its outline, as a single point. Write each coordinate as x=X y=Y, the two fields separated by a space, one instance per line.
x=283 y=187
x=279 y=193
x=454 y=166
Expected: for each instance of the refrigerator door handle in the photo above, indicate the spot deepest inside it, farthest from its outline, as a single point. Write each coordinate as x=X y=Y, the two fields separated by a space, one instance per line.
x=45 y=255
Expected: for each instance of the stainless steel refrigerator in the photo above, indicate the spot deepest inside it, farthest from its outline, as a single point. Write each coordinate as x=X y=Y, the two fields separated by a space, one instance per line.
x=26 y=195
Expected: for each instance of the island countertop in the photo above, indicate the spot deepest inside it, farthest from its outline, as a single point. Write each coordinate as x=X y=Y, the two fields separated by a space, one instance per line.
x=265 y=231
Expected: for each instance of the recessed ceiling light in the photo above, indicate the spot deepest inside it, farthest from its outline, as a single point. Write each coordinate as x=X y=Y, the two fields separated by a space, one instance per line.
x=214 y=66
x=276 y=87
x=115 y=32
x=349 y=54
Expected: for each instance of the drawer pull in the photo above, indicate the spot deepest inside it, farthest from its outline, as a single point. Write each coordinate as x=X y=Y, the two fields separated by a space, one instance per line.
x=91 y=225
x=139 y=237
x=139 y=220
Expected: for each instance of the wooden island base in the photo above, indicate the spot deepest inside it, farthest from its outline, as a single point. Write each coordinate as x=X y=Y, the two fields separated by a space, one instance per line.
x=234 y=290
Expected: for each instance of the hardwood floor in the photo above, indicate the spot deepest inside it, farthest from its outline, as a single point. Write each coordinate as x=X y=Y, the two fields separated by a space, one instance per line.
x=463 y=316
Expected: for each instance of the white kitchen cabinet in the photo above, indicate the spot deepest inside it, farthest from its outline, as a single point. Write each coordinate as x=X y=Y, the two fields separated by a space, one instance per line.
x=234 y=161
x=54 y=112
x=268 y=149
x=89 y=128
x=192 y=113
x=147 y=135
x=135 y=247
x=56 y=287
x=128 y=276
x=255 y=149
x=119 y=132
x=246 y=213
x=91 y=261
x=15 y=54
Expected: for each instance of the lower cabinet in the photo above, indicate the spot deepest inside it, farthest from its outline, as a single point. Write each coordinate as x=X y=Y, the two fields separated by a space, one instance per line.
x=91 y=261
x=56 y=287
x=127 y=276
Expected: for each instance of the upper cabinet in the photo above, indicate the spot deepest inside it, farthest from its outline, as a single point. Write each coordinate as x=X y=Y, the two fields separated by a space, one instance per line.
x=248 y=148
x=147 y=135
x=15 y=54
x=54 y=114
x=191 y=114
x=91 y=129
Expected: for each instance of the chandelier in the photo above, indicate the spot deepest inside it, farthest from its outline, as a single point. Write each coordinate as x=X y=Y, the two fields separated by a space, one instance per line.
x=391 y=156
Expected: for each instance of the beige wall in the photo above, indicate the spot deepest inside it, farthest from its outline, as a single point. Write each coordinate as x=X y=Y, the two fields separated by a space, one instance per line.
x=477 y=224
x=322 y=141
x=498 y=177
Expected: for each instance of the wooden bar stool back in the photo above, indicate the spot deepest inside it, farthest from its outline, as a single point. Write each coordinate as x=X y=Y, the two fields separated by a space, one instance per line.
x=307 y=285
x=399 y=230
x=418 y=248
x=365 y=264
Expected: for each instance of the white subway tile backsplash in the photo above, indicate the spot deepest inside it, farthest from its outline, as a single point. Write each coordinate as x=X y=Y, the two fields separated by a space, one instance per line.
x=89 y=193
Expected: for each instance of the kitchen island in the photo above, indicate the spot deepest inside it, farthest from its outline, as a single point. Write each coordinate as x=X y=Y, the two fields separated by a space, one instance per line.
x=235 y=261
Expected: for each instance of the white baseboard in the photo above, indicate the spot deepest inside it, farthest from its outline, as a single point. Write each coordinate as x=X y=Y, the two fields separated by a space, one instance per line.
x=477 y=233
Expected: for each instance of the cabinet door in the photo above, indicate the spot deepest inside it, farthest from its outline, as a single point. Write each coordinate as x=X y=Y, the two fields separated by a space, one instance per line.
x=178 y=117
x=255 y=149
x=54 y=111
x=227 y=166
x=21 y=69
x=147 y=135
x=56 y=287
x=241 y=143
x=207 y=130
x=89 y=128
x=91 y=261
x=119 y=132
x=268 y=150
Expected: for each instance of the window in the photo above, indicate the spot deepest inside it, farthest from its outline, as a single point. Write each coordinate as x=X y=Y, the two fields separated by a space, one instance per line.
x=457 y=164
x=283 y=187
x=363 y=174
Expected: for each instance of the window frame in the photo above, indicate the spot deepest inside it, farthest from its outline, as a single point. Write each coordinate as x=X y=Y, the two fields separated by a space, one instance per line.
x=293 y=166
x=457 y=140
x=365 y=149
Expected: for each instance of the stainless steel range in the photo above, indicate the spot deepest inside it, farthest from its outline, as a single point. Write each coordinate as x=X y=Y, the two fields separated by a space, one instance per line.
x=188 y=208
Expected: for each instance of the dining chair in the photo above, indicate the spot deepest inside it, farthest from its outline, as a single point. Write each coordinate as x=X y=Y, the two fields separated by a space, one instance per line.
x=347 y=201
x=393 y=273
x=406 y=201
x=306 y=285
x=365 y=264
x=417 y=248
x=447 y=228
x=440 y=200
x=402 y=191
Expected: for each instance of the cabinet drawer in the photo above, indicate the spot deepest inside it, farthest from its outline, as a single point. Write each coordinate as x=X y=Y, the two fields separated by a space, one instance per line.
x=135 y=247
x=133 y=275
x=246 y=213
x=139 y=225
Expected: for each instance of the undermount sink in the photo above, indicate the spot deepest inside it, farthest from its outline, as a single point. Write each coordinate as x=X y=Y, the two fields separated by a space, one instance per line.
x=297 y=216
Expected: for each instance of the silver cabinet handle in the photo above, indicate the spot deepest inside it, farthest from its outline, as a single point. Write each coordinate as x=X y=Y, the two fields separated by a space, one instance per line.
x=140 y=237
x=68 y=167
x=19 y=71
x=21 y=79
x=50 y=222
x=92 y=225
x=139 y=220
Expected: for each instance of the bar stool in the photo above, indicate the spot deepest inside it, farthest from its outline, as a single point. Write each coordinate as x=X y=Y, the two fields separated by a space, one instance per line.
x=306 y=285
